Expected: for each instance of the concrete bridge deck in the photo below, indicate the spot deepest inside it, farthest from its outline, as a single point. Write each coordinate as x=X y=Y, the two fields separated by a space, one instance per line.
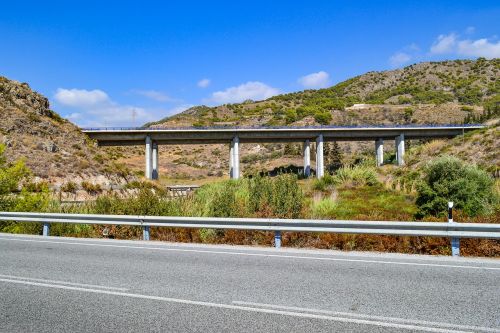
x=192 y=135
x=152 y=137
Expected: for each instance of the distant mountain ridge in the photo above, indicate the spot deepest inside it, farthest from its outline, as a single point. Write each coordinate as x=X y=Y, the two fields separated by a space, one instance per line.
x=428 y=92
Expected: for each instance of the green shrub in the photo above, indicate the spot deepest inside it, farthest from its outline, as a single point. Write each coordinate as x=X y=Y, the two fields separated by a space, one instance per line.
x=282 y=194
x=91 y=188
x=69 y=187
x=358 y=175
x=222 y=199
x=279 y=196
x=450 y=179
x=11 y=174
x=324 y=182
x=146 y=202
x=207 y=235
x=408 y=114
x=404 y=100
x=325 y=208
x=38 y=187
x=323 y=118
x=290 y=116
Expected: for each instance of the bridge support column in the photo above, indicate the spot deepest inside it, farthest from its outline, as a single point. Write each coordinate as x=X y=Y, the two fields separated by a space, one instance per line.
x=234 y=159
x=400 y=149
x=307 y=158
x=155 y=171
x=231 y=159
x=320 y=167
x=148 y=169
x=379 y=151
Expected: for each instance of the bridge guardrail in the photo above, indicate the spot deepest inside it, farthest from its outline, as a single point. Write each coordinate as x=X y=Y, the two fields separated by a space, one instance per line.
x=432 y=229
x=220 y=127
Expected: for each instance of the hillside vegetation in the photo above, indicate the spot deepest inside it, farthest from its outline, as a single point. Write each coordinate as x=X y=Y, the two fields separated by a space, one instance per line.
x=54 y=149
x=429 y=92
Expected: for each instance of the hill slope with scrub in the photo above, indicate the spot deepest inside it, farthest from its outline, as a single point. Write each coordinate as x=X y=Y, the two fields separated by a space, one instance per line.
x=428 y=92
x=54 y=149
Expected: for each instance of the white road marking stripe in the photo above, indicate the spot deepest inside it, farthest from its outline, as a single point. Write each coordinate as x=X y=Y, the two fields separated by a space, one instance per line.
x=373 y=317
x=62 y=282
x=256 y=254
x=236 y=307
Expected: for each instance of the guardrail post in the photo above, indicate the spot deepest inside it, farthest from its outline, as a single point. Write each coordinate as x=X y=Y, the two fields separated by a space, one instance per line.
x=46 y=229
x=455 y=241
x=145 y=232
x=277 y=239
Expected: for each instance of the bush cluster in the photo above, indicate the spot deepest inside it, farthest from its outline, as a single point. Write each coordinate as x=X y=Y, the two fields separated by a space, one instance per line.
x=449 y=179
x=357 y=175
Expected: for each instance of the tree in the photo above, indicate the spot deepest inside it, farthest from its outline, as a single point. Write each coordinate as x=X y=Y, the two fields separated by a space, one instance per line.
x=450 y=179
x=333 y=156
x=323 y=118
x=290 y=116
x=11 y=174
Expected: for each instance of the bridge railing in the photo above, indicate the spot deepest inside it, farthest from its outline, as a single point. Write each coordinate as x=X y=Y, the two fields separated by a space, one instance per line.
x=432 y=229
x=319 y=127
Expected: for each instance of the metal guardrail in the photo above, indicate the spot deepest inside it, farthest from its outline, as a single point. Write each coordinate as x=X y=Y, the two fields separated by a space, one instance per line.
x=432 y=229
x=409 y=126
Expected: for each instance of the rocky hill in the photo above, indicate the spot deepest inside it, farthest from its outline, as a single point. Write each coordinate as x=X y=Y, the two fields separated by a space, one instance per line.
x=425 y=93
x=53 y=148
x=428 y=92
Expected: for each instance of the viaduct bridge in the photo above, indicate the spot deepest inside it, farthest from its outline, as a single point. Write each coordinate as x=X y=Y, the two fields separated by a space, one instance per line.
x=152 y=137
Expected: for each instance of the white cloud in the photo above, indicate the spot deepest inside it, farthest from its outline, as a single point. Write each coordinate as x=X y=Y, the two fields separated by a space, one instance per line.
x=413 y=47
x=253 y=90
x=94 y=108
x=81 y=97
x=452 y=44
x=479 y=48
x=470 y=30
x=444 y=44
x=315 y=80
x=154 y=95
x=399 y=59
x=203 y=83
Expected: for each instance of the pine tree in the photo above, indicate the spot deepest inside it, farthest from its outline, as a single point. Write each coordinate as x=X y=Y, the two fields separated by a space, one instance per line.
x=333 y=156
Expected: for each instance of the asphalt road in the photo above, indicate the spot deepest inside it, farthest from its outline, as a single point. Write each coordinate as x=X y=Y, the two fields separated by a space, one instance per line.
x=50 y=284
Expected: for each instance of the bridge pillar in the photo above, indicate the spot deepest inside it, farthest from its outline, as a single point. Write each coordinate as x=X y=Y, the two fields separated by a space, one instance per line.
x=231 y=159
x=148 y=170
x=320 y=169
x=155 y=168
x=379 y=151
x=307 y=158
x=234 y=159
x=400 y=149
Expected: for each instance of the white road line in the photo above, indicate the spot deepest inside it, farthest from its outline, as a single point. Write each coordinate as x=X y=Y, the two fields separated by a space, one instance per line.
x=237 y=307
x=372 y=317
x=366 y=261
x=62 y=282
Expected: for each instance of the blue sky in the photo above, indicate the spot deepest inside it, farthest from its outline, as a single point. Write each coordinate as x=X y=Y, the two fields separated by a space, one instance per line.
x=106 y=63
